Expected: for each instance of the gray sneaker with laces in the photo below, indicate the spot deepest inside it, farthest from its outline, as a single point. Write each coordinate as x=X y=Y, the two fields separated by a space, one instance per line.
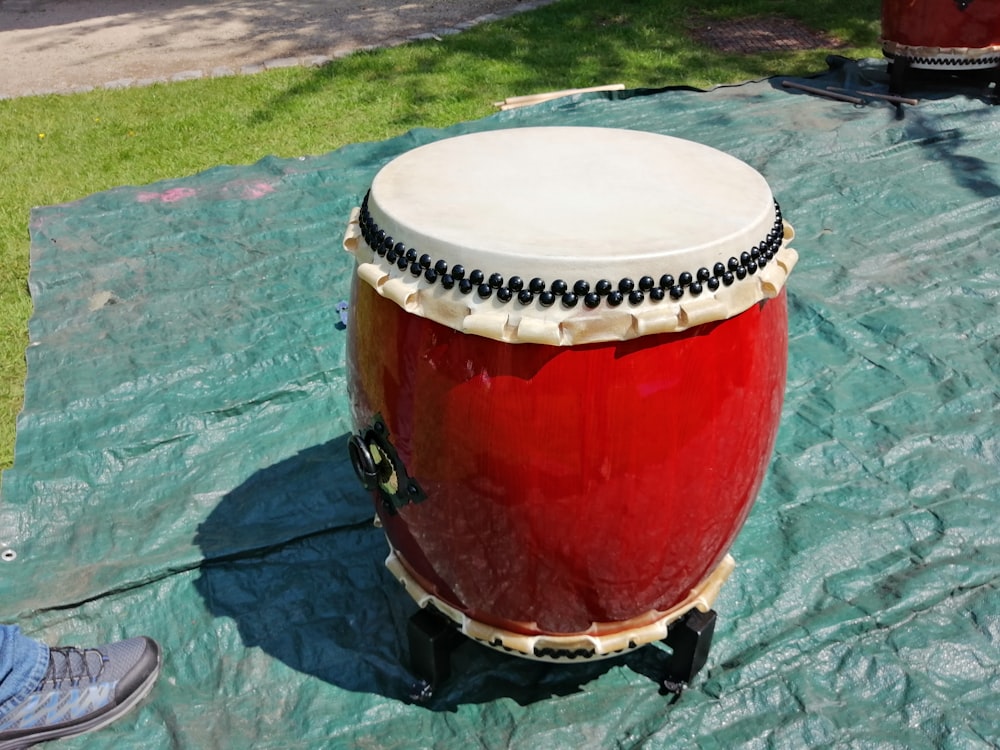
x=84 y=689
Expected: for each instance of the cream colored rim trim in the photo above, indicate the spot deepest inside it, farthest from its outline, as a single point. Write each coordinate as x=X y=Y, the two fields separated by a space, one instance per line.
x=574 y=646
x=960 y=58
x=557 y=326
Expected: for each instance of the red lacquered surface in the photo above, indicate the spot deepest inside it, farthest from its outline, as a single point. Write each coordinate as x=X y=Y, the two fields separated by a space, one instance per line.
x=941 y=23
x=569 y=485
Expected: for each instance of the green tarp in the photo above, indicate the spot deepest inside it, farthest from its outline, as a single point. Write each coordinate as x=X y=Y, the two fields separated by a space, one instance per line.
x=181 y=467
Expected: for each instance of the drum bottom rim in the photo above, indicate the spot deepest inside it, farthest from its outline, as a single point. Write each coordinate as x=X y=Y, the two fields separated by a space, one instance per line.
x=630 y=634
x=943 y=58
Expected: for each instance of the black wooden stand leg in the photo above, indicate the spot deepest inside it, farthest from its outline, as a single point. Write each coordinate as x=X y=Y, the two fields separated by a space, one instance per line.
x=690 y=639
x=899 y=68
x=432 y=639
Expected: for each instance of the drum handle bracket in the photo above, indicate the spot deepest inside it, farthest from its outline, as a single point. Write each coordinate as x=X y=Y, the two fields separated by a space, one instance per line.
x=380 y=469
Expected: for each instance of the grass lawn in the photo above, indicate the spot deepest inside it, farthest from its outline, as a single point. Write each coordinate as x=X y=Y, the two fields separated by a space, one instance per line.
x=55 y=149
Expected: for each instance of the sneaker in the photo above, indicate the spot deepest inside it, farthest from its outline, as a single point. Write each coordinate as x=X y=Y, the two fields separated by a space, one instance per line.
x=84 y=689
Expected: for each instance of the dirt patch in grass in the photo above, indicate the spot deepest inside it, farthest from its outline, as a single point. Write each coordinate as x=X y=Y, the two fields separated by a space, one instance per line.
x=759 y=34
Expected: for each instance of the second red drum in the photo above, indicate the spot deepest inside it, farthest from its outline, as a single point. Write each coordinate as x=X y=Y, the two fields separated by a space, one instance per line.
x=942 y=34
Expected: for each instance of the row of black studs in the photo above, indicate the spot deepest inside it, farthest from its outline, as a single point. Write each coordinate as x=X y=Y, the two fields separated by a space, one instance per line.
x=438 y=271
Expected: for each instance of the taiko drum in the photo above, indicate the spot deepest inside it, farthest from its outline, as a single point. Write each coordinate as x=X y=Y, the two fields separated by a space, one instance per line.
x=566 y=365
x=942 y=34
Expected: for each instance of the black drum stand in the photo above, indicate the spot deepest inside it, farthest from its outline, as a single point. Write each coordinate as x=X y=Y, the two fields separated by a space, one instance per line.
x=433 y=638
x=903 y=76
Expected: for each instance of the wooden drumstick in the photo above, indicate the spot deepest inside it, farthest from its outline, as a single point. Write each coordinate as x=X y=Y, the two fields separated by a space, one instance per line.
x=822 y=92
x=887 y=97
x=512 y=102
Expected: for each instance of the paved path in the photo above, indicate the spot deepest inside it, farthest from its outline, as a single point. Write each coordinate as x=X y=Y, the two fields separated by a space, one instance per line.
x=64 y=46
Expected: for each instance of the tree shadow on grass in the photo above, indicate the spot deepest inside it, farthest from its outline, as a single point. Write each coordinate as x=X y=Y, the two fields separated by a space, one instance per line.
x=569 y=44
x=292 y=557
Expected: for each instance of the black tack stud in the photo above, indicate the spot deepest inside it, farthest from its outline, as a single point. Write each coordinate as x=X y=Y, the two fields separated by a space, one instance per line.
x=536 y=285
x=718 y=269
x=477 y=277
x=581 y=287
x=441 y=267
x=646 y=283
x=666 y=281
x=569 y=299
x=389 y=256
x=525 y=297
x=657 y=293
x=411 y=255
x=447 y=281
x=684 y=279
x=496 y=280
x=755 y=252
x=712 y=283
x=399 y=248
x=458 y=271
x=559 y=286
x=415 y=269
x=676 y=292
x=744 y=257
x=504 y=294
x=546 y=298
x=626 y=285
x=592 y=299
x=741 y=272
x=425 y=261
x=431 y=275
x=485 y=291
x=635 y=297
x=615 y=299
x=733 y=263
x=516 y=283
x=401 y=262
x=604 y=287
x=728 y=278
x=465 y=286
x=704 y=274
x=695 y=288
x=752 y=267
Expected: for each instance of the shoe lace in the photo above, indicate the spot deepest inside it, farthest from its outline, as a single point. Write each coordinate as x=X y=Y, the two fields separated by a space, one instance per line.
x=73 y=665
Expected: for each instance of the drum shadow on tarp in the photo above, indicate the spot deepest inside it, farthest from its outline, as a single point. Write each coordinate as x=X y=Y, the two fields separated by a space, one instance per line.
x=293 y=558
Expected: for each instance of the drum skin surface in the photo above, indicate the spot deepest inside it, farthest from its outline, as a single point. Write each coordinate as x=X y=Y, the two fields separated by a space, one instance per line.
x=940 y=24
x=568 y=486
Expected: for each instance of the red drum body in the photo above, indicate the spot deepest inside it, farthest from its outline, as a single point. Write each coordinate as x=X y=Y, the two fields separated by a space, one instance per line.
x=564 y=415
x=942 y=34
x=568 y=486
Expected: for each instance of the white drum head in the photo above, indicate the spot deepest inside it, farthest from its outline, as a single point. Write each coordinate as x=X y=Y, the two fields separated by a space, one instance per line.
x=568 y=234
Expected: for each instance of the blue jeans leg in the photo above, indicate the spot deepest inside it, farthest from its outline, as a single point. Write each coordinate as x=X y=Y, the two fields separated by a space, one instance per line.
x=23 y=662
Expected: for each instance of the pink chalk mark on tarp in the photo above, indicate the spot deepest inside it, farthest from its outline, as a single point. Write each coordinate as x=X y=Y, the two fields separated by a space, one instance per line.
x=247 y=190
x=167 y=196
x=257 y=190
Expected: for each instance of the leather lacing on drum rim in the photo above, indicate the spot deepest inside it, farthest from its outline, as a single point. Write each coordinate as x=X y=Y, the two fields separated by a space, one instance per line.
x=436 y=270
